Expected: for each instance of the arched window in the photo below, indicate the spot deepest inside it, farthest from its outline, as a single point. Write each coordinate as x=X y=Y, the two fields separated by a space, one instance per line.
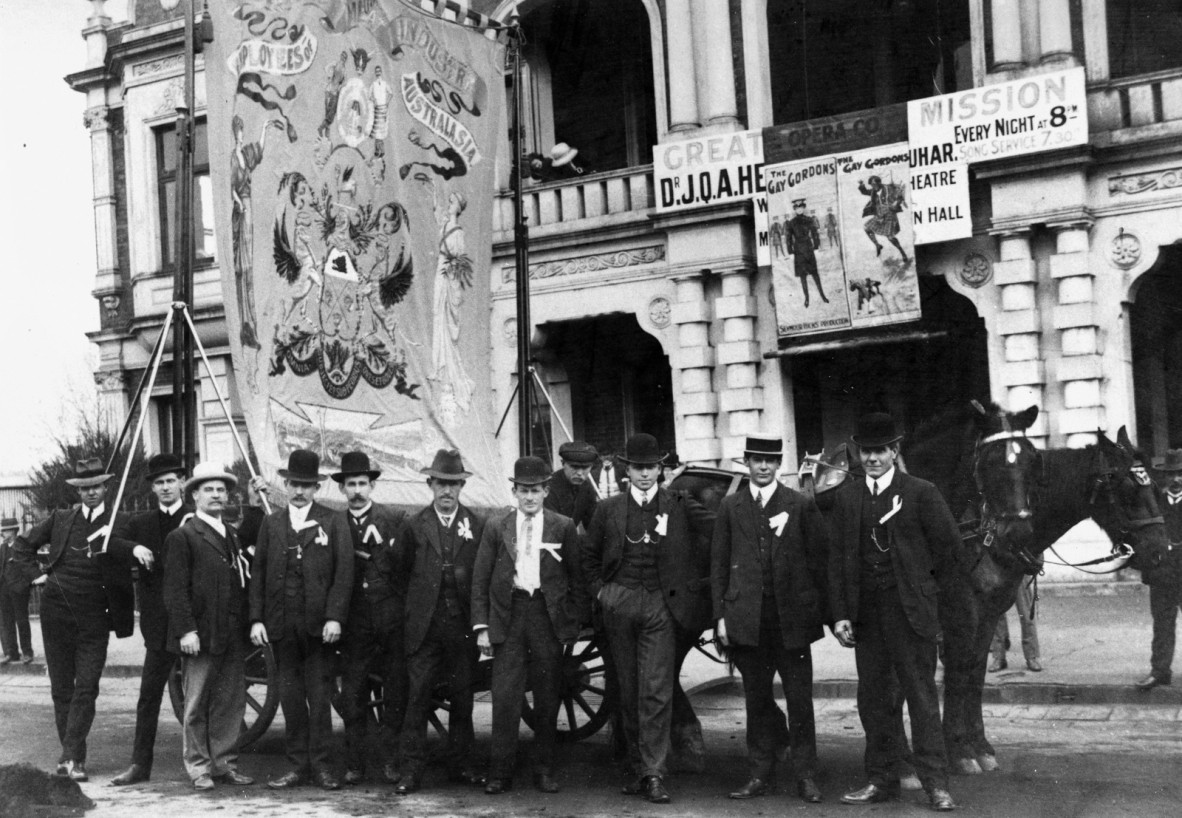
x=1144 y=36
x=834 y=56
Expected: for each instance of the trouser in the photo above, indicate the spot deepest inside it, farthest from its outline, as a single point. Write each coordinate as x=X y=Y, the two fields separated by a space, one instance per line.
x=684 y=721
x=1164 y=599
x=15 y=635
x=641 y=638
x=530 y=653
x=75 y=653
x=305 y=694
x=758 y=665
x=157 y=668
x=361 y=648
x=215 y=701
x=887 y=643
x=448 y=651
x=1025 y=605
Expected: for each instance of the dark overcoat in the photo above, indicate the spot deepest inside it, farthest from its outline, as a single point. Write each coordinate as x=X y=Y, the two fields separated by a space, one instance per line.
x=492 y=578
x=201 y=586
x=924 y=547
x=424 y=559
x=144 y=529
x=800 y=564
x=327 y=568
x=569 y=500
x=683 y=562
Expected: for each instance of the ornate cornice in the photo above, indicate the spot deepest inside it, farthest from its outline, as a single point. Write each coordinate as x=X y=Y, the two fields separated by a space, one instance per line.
x=1131 y=184
x=595 y=263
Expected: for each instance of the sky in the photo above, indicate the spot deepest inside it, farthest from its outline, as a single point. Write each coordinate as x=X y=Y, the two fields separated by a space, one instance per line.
x=46 y=228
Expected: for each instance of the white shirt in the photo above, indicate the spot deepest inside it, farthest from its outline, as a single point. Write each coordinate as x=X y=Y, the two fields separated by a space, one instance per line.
x=527 y=574
x=93 y=514
x=298 y=516
x=883 y=482
x=362 y=512
x=173 y=509
x=213 y=522
x=445 y=521
x=608 y=487
x=642 y=497
x=763 y=491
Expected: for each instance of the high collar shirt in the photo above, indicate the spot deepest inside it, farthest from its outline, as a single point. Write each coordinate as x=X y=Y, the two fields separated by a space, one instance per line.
x=643 y=498
x=213 y=522
x=883 y=483
x=763 y=494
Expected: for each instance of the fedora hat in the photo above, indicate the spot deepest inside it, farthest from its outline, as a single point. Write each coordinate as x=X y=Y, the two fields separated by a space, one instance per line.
x=159 y=464
x=355 y=463
x=9 y=523
x=88 y=472
x=303 y=466
x=1171 y=462
x=447 y=465
x=576 y=451
x=204 y=472
x=642 y=450
x=766 y=445
x=876 y=430
x=530 y=471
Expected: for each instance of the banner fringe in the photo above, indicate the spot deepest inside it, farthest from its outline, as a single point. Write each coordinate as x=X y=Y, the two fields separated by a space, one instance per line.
x=458 y=12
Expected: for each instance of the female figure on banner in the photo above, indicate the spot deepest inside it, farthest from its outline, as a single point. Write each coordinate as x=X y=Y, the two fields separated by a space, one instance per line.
x=453 y=275
x=881 y=213
x=244 y=159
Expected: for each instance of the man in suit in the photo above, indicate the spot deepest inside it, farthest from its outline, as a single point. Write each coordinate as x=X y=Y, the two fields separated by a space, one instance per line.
x=523 y=612
x=647 y=562
x=15 y=636
x=149 y=529
x=895 y=545
x=301 y=579
x=571 y=491
x=377 y=611
x=608 y=476
x=440 y=644
x=87 y=594
x=205 y=580
x=1162 y=572
x=768 y=578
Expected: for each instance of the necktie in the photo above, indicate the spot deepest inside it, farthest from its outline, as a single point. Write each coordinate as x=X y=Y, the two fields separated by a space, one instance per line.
x=762 y=500
x=528 y=535
x=873 y=488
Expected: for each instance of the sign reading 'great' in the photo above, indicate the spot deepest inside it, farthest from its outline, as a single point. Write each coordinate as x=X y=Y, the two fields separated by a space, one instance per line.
x=708 y=170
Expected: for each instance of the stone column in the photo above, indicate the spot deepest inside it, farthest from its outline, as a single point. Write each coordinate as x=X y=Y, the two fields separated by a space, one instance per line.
x=1075 y=317
x=712 y=22
x=107 y=282
x=113 y=399
x=1007 y=35
x=697 y=403
x=683 y=91
x=1023 y=373
x=1054 y=31
x=741 y=395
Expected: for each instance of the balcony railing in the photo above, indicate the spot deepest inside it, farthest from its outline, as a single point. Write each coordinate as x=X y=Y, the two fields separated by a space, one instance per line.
x=1136 y=101
x=619 y=195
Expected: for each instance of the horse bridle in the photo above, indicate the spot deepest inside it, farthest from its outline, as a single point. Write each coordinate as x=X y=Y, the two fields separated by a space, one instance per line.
x=1103 y=480
x=991 y=518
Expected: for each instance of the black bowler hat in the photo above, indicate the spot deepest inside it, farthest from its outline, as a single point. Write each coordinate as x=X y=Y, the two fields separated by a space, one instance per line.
x=89 y=472
x=1171 y=462
x=447 y=465
x=159 y=464
x=876 y=430
x=530 y=471
x=576 y=451
x=355 y=463
x=303 y=466
x=642 y=450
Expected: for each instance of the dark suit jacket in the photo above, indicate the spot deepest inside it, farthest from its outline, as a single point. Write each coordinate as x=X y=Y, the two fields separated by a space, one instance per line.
x=424 y=560
x=684 y=559
x=578 y=503
x=492 y=577
x=144 y=529
x=385 y=596
x=115 y=564
x=924 y=545
x=8 y=577
x=800 y=564
x=201 y=586
x=328 y=571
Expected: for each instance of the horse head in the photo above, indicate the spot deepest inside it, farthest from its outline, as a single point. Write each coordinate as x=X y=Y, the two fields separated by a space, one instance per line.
x=1006 y=467
x=1122 y=497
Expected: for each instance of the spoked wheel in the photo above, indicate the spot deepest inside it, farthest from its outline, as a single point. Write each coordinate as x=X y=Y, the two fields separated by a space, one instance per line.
x=587 y=700
x=262 y=693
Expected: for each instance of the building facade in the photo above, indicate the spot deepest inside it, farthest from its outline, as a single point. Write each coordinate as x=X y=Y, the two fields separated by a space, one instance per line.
x=1065 y=296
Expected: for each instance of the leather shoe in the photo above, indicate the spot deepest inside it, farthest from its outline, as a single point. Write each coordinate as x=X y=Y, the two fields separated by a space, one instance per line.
x=27 y=659
x=326 y=780
x=754 y=787
x=654 y=790
x=354 y=776
x=941 y=800
x=633 y=786
x=132 y=775
x=870 y=794
x=234 y=777
x=7 y=660
x=998 y=663
x=409 y=784
x=1034 y=666
x=808 y=790
x=1150 y=682
x=498 y=786
x=469 y=777
x=203 y=783
x=544 y=782
x=63 y=769
x=77 y=771
x=391 y=774
x=286 y=781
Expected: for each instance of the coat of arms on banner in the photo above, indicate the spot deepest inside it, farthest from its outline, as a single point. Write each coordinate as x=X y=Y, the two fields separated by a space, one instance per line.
x=841 y=241
x=357 y=186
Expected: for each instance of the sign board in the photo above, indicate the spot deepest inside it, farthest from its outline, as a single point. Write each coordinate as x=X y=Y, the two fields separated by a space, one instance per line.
x=830 y=135
x=708 y=170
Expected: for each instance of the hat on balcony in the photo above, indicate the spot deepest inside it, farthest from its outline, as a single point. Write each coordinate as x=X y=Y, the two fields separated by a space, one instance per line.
x=562 y=154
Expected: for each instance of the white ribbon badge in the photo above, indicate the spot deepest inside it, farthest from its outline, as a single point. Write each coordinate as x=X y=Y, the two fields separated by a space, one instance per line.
x=552 y=547
x=897 y=503
x=778 y=522
x=372 y=531
x=464 y=529
x=102 y=532
x=322 y=537
x=662 y=524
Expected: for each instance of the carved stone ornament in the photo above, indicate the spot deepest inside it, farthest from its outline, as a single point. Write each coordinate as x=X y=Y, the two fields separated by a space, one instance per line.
x=111 y=305
x=509 y=330
x=660 y=311
x=173 y=97
x=589 y=264
x=1135 y=183
x=976 y=271
x=1125 y=250
x=94 y=119
x=109 y=380
x=160 y=66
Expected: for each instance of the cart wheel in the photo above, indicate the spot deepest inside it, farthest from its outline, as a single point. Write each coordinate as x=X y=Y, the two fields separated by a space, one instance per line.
x=587 y=701
x=262 y=694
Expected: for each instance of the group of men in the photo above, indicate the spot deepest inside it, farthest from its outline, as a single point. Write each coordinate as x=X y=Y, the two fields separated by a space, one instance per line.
x=425 y=597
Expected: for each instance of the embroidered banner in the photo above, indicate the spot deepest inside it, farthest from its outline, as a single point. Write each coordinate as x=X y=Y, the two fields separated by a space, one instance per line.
x=352 y=143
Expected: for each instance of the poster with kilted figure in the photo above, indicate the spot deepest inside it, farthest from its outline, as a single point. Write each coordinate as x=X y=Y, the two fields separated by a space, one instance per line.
x=849 y=260
x=354 y=208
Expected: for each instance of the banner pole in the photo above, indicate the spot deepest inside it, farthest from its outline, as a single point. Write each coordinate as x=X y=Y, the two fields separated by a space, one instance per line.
x=521 y=249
